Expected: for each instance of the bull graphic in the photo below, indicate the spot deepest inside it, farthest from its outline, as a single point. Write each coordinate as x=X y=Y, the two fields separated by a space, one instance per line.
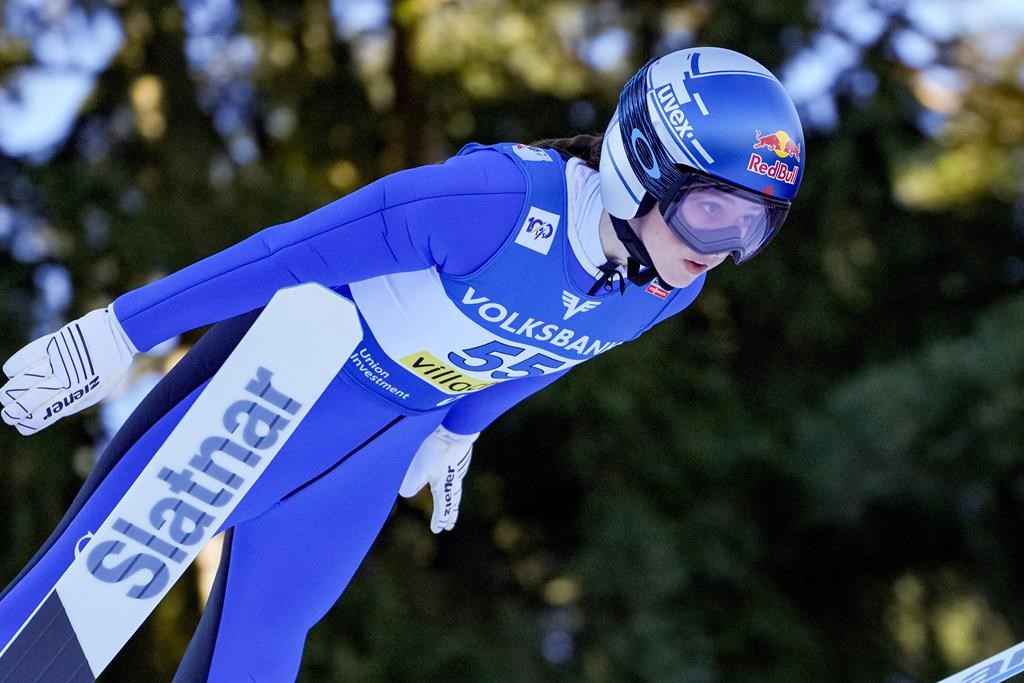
x=792 y=150
x=778 y=142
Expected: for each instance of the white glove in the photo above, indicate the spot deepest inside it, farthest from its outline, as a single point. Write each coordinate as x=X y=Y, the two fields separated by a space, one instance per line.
x=441 y=461
x=65 y=372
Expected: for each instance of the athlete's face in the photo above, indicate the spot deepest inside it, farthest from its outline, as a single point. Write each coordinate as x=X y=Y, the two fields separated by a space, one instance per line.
x=676 y=263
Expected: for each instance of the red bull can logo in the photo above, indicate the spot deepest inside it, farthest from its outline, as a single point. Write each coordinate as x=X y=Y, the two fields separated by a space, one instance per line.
x=784 y=147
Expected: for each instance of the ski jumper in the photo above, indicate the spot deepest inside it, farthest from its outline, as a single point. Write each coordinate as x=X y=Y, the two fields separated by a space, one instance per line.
x=472 y=294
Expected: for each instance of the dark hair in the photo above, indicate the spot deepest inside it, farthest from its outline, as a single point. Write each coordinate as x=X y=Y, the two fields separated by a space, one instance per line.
x=587 y=148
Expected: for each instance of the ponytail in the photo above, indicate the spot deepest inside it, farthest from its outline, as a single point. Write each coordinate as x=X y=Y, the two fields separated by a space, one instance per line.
x=587 y=148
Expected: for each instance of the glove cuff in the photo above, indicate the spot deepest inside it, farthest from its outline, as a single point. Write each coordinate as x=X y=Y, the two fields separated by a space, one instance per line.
x=115 y=326
x=452 y=437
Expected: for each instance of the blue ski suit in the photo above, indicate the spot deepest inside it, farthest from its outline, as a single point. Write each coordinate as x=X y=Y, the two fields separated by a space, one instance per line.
x=471 y=298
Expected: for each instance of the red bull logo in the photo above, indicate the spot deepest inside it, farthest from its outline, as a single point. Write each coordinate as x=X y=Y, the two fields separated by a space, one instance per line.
x=778 y=142
x=784 y=147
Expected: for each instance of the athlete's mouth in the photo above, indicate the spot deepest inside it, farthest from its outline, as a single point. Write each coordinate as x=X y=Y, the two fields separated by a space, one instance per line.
x=694 y=267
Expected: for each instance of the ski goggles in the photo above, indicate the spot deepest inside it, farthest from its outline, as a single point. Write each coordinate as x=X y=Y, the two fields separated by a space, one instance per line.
x=714 y=217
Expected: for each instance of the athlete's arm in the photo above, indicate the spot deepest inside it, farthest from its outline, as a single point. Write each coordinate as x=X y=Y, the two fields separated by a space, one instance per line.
x=453 y=215
x=443 y=458
x=442 y=461
x=474 y=412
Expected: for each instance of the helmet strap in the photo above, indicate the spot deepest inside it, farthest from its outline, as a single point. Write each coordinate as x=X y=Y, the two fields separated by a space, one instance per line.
x=638 y=254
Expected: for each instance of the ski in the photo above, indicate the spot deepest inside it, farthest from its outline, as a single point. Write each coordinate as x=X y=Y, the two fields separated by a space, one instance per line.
x=999 y=667
x=223 y=443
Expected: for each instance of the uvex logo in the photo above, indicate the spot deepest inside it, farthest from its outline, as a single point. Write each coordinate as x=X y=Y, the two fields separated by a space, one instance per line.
x=675 y=118
x=221 y=463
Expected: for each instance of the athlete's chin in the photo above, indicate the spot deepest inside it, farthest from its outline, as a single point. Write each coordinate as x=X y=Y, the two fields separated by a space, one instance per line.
x=677 y=279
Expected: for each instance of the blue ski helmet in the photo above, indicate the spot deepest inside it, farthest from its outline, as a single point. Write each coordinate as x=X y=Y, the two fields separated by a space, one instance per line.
x=697 y=121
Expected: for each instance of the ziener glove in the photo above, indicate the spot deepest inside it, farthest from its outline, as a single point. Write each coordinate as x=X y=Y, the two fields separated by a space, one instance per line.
x=441 y=461
x=64 y=372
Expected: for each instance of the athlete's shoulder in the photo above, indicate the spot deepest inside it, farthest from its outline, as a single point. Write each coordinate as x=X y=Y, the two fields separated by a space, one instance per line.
x=484 y=171
x=456 y=214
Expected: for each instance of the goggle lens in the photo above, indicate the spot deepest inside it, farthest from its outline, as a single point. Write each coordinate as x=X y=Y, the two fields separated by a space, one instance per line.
x=712 y=217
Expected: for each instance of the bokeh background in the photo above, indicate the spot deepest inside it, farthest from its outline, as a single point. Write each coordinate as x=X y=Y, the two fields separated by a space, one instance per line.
x=815 y=474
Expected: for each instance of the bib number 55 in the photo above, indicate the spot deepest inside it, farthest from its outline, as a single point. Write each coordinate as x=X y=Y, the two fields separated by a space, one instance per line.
x=500 y=359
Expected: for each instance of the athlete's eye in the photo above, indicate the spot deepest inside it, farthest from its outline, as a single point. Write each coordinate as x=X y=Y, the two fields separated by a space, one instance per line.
x=711 y=209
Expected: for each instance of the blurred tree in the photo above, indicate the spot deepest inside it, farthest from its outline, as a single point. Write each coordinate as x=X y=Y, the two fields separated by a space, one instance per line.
x=812 y=475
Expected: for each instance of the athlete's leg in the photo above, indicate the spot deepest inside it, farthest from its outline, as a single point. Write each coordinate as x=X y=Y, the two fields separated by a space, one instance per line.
x=122 y=460
x=310 y=457
x=283 y=569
